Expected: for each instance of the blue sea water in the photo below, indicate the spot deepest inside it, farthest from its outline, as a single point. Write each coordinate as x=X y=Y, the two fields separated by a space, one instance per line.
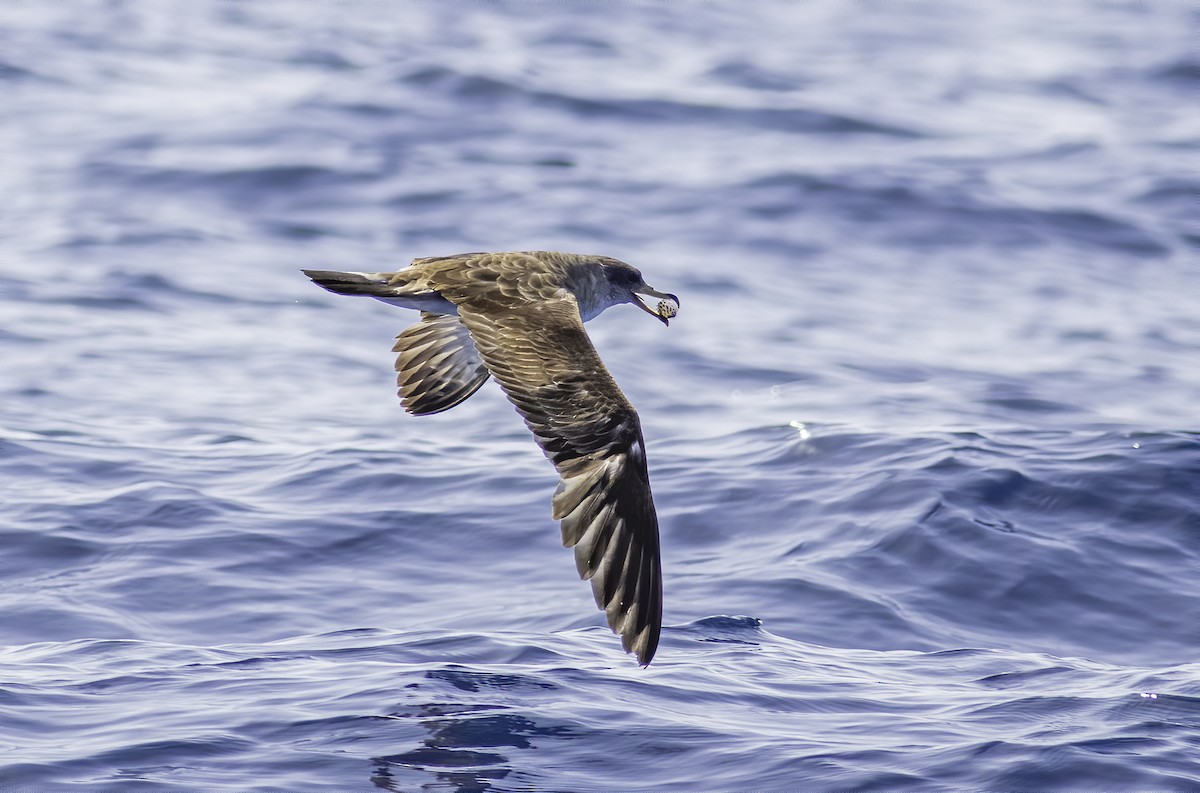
x=923 y=438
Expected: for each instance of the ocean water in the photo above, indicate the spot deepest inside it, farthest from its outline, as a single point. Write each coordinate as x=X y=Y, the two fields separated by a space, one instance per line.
x=923 y=438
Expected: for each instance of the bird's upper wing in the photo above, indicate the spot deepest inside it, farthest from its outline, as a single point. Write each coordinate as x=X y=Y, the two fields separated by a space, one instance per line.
x=542 y=357
x=437 y=366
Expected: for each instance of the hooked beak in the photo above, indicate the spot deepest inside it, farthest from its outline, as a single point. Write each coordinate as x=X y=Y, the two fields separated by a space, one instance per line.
x=646 y=290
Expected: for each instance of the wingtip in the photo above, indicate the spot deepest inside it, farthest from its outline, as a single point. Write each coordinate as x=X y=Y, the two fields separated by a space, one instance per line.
x=646 y=655
x=643 y=644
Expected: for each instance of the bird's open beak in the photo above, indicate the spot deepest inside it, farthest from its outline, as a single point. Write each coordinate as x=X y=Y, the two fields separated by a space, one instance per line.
x=667 y=307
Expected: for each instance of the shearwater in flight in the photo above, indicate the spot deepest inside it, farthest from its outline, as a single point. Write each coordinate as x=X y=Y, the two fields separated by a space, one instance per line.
x=519 y=318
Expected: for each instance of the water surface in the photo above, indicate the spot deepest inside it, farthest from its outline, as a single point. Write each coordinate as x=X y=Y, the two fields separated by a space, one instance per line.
x=923 y=437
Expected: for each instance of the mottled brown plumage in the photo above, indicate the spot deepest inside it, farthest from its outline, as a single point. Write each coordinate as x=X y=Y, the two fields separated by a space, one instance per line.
x=519 y=317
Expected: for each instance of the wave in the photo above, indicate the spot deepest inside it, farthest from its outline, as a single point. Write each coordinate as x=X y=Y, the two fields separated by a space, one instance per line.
x=481 y=89
x=387 y=709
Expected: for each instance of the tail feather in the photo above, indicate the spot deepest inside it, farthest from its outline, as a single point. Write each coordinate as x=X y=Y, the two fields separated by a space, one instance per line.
x=372 y=284
x=397 y=289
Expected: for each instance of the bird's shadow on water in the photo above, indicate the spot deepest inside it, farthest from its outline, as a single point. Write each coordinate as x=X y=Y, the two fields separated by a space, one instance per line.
x=466 y=739
x=454 y=752
x=461 y=750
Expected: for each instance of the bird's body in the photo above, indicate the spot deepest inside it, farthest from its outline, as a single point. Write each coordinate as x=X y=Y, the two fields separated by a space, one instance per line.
x=519 y=317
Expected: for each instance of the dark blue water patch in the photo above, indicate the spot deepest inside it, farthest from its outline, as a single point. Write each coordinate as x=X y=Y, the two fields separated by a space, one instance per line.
x=239 y=187
x=890 y=372
x=11 y=72
x=323 y=59
x=1013 y=398
x=1072 y=90
x=1173 y=198
x=165 y=754
x=140 y=282
x=1097 y=229
x=138 y=508
x=995 y=540
x=747 y=74
x=491 y=731
x=1184 y=72
x=146 y=238
x=121 y=291
x=424 y=200
x=114 y=302
x=34 y=549
x=798 y=120
x=738 y=630
x=1062 y=768
x=569 y=39
x=466 y=680
x=496 y=93
x=928 y=216
x=532 y=159
x=366 y=110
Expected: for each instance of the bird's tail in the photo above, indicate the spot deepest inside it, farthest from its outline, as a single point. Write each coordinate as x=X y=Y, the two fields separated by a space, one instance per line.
x=371 y=284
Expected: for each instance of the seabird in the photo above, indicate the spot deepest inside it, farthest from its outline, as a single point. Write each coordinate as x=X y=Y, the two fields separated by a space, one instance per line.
x=519 y=318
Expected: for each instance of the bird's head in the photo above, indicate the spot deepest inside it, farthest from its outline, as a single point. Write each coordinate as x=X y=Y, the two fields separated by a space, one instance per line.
x=626 y=285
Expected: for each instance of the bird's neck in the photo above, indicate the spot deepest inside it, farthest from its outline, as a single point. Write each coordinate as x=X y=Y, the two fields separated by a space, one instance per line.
x=591 y=289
